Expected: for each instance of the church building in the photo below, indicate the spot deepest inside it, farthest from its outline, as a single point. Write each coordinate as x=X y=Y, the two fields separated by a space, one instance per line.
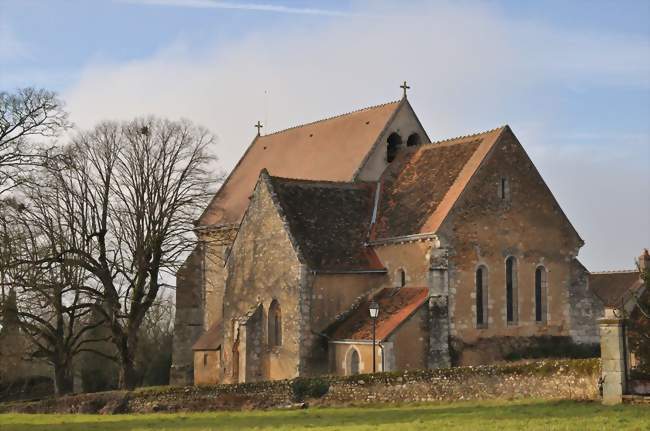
x=458 y=245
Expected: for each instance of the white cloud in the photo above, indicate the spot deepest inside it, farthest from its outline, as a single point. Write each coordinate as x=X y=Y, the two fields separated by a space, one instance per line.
x=470 y=68
x=256 y=7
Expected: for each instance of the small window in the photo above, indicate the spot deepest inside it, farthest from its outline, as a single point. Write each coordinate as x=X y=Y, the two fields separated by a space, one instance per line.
x=481 y=297
x=394 y=145
x=401 y=277
x=540 y=294
x=413 y=140
x=205 y=359
x=275 y=324
x=511 y=290
x=504 y=189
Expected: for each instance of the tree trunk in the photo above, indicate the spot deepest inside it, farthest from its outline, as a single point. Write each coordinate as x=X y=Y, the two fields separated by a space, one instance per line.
x=128 y=375
x=63 y=379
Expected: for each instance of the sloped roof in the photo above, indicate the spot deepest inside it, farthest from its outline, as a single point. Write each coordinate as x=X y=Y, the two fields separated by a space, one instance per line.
x=211 y=339
x=396 y=305
x=329 y=221
x=615 y=287
x=330 y=149
x=423 y=183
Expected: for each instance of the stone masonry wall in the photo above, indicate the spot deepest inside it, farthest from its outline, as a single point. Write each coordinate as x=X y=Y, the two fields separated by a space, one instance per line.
x=262 y=267
x=485 y=229
x=572 y=379
x=188 y=320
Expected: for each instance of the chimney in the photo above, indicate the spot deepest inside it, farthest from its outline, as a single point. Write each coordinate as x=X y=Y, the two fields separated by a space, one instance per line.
x=644 y=261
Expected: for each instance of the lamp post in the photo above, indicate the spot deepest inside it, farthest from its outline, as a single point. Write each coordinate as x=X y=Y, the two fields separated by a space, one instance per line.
x=374 y=312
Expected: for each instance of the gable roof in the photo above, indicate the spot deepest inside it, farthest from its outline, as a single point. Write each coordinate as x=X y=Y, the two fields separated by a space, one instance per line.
x=210 y=339
x=614 y=288
x=330 y=149
x=329 y=222
x=396 y=305
x=423 y=183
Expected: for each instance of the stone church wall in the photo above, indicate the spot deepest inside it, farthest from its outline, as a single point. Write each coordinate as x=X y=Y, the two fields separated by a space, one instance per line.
x=412 y=258
x=484 y=229
x=263 y=267
x=585 y=307
x=188 y=320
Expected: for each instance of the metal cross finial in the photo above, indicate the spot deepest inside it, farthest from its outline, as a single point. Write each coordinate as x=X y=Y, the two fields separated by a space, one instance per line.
x=404 y=87
x=259 y=128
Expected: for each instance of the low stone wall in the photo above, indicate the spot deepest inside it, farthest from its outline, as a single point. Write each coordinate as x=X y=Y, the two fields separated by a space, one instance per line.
x=570 y=379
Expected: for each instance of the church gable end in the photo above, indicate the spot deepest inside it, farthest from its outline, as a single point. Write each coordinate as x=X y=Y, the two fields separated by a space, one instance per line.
x=263 y=268
x=506 y=222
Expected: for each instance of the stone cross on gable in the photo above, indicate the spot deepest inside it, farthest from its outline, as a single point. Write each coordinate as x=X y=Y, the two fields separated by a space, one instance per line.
x=259 y=128
x=404 y=87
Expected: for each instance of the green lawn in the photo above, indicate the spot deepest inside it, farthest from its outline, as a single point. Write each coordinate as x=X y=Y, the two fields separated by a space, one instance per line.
x=479 y=416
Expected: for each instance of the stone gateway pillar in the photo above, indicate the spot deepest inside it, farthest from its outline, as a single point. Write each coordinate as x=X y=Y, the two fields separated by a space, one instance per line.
x=612 y=354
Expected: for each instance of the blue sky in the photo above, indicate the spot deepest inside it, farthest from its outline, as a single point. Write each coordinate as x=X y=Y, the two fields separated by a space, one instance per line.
x=572 y=78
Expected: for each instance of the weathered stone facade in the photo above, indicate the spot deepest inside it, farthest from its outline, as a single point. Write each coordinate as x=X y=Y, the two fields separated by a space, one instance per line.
x=308 y=252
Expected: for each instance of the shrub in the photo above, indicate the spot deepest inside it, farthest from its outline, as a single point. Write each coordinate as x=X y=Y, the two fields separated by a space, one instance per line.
x=303 y=389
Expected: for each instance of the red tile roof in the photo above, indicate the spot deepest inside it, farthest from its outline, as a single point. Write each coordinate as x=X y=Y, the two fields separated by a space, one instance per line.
x=211 y=339
x=396 y=305
x=330 y=149
x=329 y=221
x=615 y=287
x=423 y=183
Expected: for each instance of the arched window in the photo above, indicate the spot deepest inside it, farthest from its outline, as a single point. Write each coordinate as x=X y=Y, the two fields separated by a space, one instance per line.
x=511 y=290
x=540 y=294
x=481 y=297
x=401 y=274
x=394 y=144
x=275 y=324
x=353 y=362
x=413 y=140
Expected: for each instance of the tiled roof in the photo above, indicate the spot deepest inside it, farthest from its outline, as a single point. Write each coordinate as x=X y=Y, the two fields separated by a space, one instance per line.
x=396 y=305
x=330 y=149
x=211 y=339
x=422 y=184
x=614 y=288
x=329 y=221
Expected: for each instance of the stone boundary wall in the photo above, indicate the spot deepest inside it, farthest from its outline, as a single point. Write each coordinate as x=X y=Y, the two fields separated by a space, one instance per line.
x=562 y=379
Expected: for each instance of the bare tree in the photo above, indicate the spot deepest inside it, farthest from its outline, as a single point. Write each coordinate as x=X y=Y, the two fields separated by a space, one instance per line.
x=129 y=194
x=24 y=115
x=52 y=306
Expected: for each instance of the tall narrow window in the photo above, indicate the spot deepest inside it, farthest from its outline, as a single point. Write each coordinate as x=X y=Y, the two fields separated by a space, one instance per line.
x=402 y=278
x=511 y=290
x=504 y=189
x=540 y=294
x=275 y=324
x=481 y=297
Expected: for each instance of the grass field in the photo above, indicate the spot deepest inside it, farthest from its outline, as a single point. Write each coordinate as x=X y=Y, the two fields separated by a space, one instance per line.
x=479 y=416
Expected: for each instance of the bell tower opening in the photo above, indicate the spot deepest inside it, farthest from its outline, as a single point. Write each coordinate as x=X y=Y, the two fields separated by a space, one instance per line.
x=394 y=144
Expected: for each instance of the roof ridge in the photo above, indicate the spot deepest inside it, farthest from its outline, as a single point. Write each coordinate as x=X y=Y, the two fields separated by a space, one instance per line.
x=615 y=271
x=330 y=118
x=473 y=135
x=322 y=182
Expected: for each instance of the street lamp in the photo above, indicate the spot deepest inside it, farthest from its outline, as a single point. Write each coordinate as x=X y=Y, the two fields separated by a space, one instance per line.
x=374 y=312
